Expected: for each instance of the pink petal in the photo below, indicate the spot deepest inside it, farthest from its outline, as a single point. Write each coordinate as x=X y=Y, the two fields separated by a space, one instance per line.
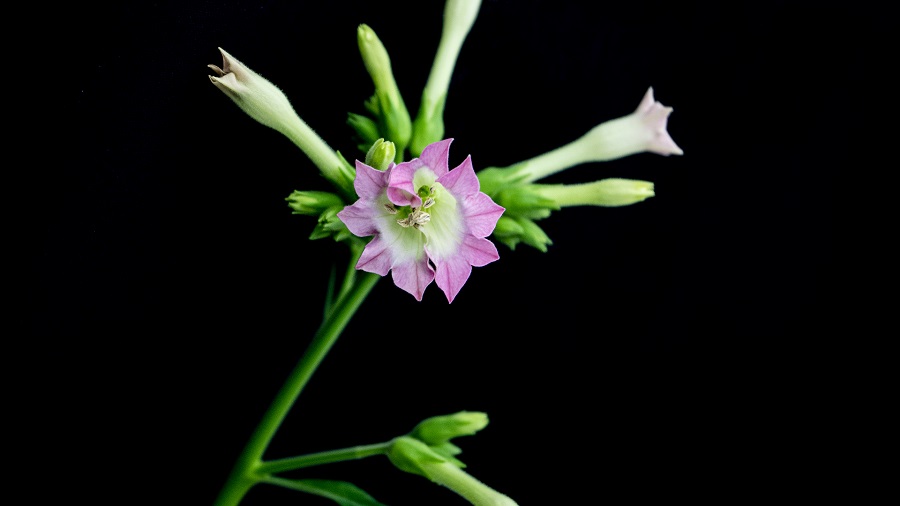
x=451 y=274
x=413 y=276
x=359 y=218
x=400 y=185
x=462 y=180
x=481 y=214
x=376 y=257
x=369 y=182
x=479 y=251
x=436 y=156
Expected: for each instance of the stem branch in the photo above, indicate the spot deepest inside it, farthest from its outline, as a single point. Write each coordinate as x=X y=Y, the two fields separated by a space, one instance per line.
x=247 y=470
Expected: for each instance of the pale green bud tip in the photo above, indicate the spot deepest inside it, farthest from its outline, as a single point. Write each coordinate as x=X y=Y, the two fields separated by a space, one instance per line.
x=437 y=430
x=255 y=95
x=374 y=55
x=381 y=154
x=612 y=192
x=389 y=106
x=312 y=203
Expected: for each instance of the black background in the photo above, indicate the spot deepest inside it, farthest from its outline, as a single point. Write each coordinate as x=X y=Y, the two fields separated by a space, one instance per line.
x=655 y=351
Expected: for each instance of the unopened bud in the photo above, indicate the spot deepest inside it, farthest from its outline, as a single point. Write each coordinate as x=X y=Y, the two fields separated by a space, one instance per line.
x=381 y=155
x=438 y=430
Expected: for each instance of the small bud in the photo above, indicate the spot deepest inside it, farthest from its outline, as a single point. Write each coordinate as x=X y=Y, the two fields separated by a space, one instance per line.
x=381 y=155
x=511 y=230
x=508 y=227
x=312 y=203
x=329 y=225
x=395 y=124
x=438 y=430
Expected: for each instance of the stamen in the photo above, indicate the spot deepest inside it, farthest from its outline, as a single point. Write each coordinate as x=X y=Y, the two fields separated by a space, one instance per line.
x=390 y=208
x=415 y=219
x=428 y=202
x=420 y=217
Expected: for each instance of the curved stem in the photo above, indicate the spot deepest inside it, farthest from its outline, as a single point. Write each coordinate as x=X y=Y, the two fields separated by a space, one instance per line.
x=328 y=457
x=246 y=472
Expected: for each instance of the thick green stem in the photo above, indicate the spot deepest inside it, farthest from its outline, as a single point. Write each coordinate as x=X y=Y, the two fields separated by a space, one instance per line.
x=247 y=472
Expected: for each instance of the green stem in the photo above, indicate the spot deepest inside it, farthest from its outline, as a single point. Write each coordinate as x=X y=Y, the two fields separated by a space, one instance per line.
x=315 y=459
x=246 y=472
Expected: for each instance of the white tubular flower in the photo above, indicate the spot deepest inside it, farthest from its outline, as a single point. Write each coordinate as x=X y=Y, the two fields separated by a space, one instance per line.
x=267 y=104
x=428 y=127
x=644 y=130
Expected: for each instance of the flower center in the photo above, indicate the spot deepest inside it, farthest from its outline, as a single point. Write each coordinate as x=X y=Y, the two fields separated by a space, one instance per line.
x=409 y=216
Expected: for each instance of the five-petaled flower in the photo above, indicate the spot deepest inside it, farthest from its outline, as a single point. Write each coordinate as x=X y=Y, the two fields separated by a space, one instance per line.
x=429 y=223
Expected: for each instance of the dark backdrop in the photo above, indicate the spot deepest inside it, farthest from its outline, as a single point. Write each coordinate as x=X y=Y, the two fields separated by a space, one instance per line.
x=655 y=351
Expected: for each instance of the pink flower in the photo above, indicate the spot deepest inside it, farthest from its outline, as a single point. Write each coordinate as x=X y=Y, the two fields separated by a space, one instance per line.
x=429 y=223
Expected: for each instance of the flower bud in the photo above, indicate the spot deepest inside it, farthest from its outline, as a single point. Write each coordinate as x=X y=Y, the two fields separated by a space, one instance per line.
x=381 y=155
x=413 y=456
x=611 y=192
x=511 y=230
x=312 y=203
x=329 y=225
x=395 y=124
x=438 y=430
